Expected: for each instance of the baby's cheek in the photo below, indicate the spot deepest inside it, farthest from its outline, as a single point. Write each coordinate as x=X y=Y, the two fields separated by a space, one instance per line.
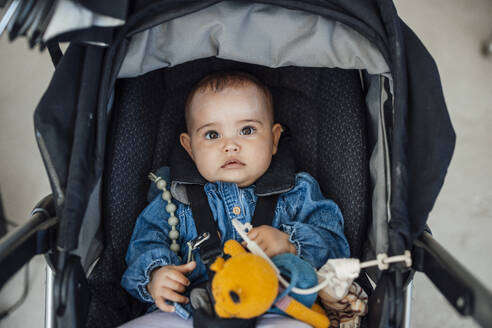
x=204 y=162
x=261 y=164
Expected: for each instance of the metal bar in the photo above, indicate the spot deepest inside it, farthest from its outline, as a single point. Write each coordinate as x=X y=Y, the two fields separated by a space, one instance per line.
x=20 y=245
x=408 y=305
x=465 y=293
x=8 y=15
x=49 y=308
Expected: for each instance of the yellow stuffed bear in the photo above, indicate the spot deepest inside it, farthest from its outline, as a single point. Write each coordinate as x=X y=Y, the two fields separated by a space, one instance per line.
x=246 y=286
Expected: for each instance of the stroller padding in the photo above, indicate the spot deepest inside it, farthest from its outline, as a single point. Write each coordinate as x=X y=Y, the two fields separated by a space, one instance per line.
x=323 y=108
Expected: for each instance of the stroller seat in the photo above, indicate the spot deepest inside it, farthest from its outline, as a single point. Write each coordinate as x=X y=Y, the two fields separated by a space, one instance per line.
x=322 y=108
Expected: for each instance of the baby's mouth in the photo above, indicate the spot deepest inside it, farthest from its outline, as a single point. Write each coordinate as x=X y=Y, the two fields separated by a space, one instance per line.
x=232 y=163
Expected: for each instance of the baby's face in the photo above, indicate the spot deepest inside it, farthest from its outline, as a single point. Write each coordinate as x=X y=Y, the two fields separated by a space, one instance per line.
x=231 y=135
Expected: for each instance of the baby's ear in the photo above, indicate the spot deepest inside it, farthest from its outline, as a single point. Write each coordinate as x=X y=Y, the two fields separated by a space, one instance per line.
x=185 y=140
x=276 y=133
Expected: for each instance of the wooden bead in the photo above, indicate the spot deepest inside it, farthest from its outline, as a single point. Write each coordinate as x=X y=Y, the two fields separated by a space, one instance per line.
x=161 y=184
x=173 y=234
x=166 y=195
x=175 y=247
x=173 y=221
x=170 y=208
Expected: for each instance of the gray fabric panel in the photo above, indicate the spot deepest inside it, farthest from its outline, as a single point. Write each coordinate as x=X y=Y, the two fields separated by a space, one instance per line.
x=89 y=246
x=90 y=243
x=178 y=191
x=378 y=167
x=252 y=33
x=70 y=16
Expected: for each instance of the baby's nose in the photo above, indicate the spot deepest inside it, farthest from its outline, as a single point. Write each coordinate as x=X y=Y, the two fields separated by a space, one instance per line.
x=231 y=147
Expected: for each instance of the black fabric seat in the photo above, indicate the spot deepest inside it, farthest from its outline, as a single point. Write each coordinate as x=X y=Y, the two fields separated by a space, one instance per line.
x=323 y=108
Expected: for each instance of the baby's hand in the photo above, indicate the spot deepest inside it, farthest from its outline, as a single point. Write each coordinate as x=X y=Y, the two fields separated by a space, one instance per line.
x=272 y=241
x=166 y=284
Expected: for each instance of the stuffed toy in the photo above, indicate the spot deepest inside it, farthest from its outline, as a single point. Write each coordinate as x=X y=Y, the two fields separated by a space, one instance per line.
x=246 y=286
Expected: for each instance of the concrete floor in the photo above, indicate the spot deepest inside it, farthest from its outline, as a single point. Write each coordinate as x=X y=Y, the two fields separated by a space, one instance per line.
x=461 y=220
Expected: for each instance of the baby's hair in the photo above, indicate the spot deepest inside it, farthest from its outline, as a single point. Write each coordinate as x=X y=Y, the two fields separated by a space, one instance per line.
x=219 y=81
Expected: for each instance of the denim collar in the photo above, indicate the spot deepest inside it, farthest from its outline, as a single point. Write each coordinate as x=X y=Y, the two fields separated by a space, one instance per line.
x=279 y=178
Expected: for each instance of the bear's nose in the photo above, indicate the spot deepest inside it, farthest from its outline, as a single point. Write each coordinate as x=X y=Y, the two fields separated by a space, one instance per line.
x=234 y=296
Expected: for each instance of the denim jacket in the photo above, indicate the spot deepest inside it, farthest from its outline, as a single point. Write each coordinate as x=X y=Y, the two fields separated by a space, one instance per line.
x=314 y=224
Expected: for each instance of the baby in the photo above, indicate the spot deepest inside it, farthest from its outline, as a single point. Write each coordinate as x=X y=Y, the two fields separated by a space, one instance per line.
x=231 y=138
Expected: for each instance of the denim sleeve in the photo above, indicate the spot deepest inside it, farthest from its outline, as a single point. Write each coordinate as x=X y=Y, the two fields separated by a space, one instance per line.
x=148 y=249
x=314 y=224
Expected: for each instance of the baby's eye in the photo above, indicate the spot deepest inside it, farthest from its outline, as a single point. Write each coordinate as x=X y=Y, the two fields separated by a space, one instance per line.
x=211 y=135
x=247 y=130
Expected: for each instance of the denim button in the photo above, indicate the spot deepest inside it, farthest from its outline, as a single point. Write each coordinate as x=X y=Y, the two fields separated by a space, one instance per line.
x=236 y=210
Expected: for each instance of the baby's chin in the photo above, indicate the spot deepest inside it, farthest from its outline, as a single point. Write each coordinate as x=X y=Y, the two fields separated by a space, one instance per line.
x=243 y=178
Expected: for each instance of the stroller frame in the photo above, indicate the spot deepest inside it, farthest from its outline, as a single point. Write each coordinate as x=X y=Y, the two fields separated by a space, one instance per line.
x=47 y=232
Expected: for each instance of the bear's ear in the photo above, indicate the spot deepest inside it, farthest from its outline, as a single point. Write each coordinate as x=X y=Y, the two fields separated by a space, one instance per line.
x=233 y=247
x=218 y=264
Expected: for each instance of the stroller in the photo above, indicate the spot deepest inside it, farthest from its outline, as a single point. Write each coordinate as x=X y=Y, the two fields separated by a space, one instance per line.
x=359 y=93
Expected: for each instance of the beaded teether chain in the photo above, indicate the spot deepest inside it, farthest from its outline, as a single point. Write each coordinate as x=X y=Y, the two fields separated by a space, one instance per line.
x=170 y=208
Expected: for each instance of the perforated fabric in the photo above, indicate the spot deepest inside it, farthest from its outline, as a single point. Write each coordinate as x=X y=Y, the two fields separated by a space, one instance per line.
x=322 y=108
